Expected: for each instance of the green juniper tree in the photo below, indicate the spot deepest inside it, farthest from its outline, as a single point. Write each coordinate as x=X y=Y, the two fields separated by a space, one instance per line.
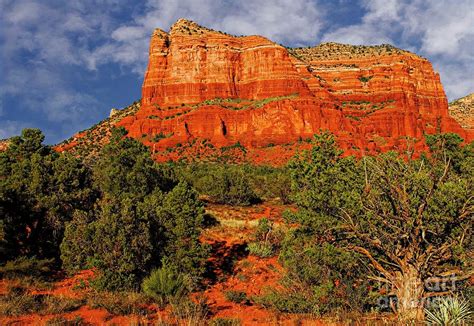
x=39 y=191
x=409 y=221
x=142 y=220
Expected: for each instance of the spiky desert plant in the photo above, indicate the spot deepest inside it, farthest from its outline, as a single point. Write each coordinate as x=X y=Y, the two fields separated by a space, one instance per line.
x=449 y=311
x=164 y=284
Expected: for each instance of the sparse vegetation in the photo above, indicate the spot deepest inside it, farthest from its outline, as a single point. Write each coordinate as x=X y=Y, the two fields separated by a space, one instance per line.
x=164 y=285
x=118 y=303
x=18 y=301
x=266 y=240
x=225 y=322
x=239 y=297
x=365 y=79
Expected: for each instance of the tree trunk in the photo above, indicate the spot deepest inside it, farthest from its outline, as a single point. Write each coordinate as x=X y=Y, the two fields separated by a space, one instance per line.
x=409 y=289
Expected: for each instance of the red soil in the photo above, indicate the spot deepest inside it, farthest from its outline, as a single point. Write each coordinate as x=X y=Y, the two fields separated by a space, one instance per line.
x=233 y=269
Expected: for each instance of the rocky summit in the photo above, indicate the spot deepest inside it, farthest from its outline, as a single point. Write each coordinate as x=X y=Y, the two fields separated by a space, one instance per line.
x=205 y=85
x=463 y=111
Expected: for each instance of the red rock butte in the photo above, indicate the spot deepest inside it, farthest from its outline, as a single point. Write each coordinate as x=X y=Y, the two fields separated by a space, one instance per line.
x=205 y=84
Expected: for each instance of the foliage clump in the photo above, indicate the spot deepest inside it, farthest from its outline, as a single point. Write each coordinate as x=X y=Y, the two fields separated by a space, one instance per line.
x=123 y=214
x=266 y=240
x=144 y=218
x=164 y=284
x=386 y=223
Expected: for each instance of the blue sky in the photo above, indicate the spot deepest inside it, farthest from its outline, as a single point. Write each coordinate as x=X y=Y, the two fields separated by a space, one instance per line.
x=65 y=64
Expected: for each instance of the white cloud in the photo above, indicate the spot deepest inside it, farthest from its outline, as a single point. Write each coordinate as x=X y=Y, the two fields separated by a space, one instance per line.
x=284 y=21
x=40 y=42
x=438 y=29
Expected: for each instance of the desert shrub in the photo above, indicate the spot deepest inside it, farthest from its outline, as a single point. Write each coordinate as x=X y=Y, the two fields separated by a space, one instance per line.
x=126 y=169
x=181 y=218
x=278 y=185
x=187 y=311
x=60 y=304
x=163 y=284
x=449 y=311
x=143 y=218
x=18 y=302
x=119 y=303
x=236 y=296
x=25 y=266
x=266 y=239
x=260 y=249
x=130 y=237
x=262 y=181
x=225 y=184
x=76 y=247
x=122 y=246
x=231 y=187
x=219 y=321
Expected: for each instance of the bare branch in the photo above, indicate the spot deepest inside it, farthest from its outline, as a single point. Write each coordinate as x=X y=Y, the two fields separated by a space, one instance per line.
x=373 y=261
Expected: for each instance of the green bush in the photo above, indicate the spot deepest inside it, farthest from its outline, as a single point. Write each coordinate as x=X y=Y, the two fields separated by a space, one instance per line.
x=379 y=215
x=260 y=249
x=39 y=191
x=142 y=219
x=262 y=181
x=288 y=302
x=231 y=187
x=76 y=247
x=181 y=218
x=164 y=284
x=129 y=237
x=24 y=266
x=267 y=239
x=236 y=296
x=123 y=247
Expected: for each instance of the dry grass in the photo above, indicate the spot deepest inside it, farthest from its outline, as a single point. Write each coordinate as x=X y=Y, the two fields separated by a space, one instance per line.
x=126 y=303
x=18 y=301
x=186 y=312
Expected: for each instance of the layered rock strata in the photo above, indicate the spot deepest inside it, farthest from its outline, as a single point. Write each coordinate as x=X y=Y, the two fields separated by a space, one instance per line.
x=204 y=84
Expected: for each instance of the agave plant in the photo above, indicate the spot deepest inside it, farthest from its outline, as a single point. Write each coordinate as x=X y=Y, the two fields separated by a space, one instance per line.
x=449 y=311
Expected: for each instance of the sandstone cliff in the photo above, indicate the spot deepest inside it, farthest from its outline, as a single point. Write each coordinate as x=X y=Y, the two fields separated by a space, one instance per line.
x=204 y=84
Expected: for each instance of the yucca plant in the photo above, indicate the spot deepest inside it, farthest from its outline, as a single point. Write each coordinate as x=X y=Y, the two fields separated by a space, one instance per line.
x=449 y=311
x=163 y=284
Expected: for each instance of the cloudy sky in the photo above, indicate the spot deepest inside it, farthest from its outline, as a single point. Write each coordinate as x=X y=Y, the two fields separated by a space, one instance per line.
x=64 y=64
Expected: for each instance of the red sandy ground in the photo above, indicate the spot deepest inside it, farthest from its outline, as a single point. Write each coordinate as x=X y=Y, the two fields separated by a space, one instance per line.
x=248 y=274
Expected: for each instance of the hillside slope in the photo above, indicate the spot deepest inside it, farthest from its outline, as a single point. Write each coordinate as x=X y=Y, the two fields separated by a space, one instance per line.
x=462 y=110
